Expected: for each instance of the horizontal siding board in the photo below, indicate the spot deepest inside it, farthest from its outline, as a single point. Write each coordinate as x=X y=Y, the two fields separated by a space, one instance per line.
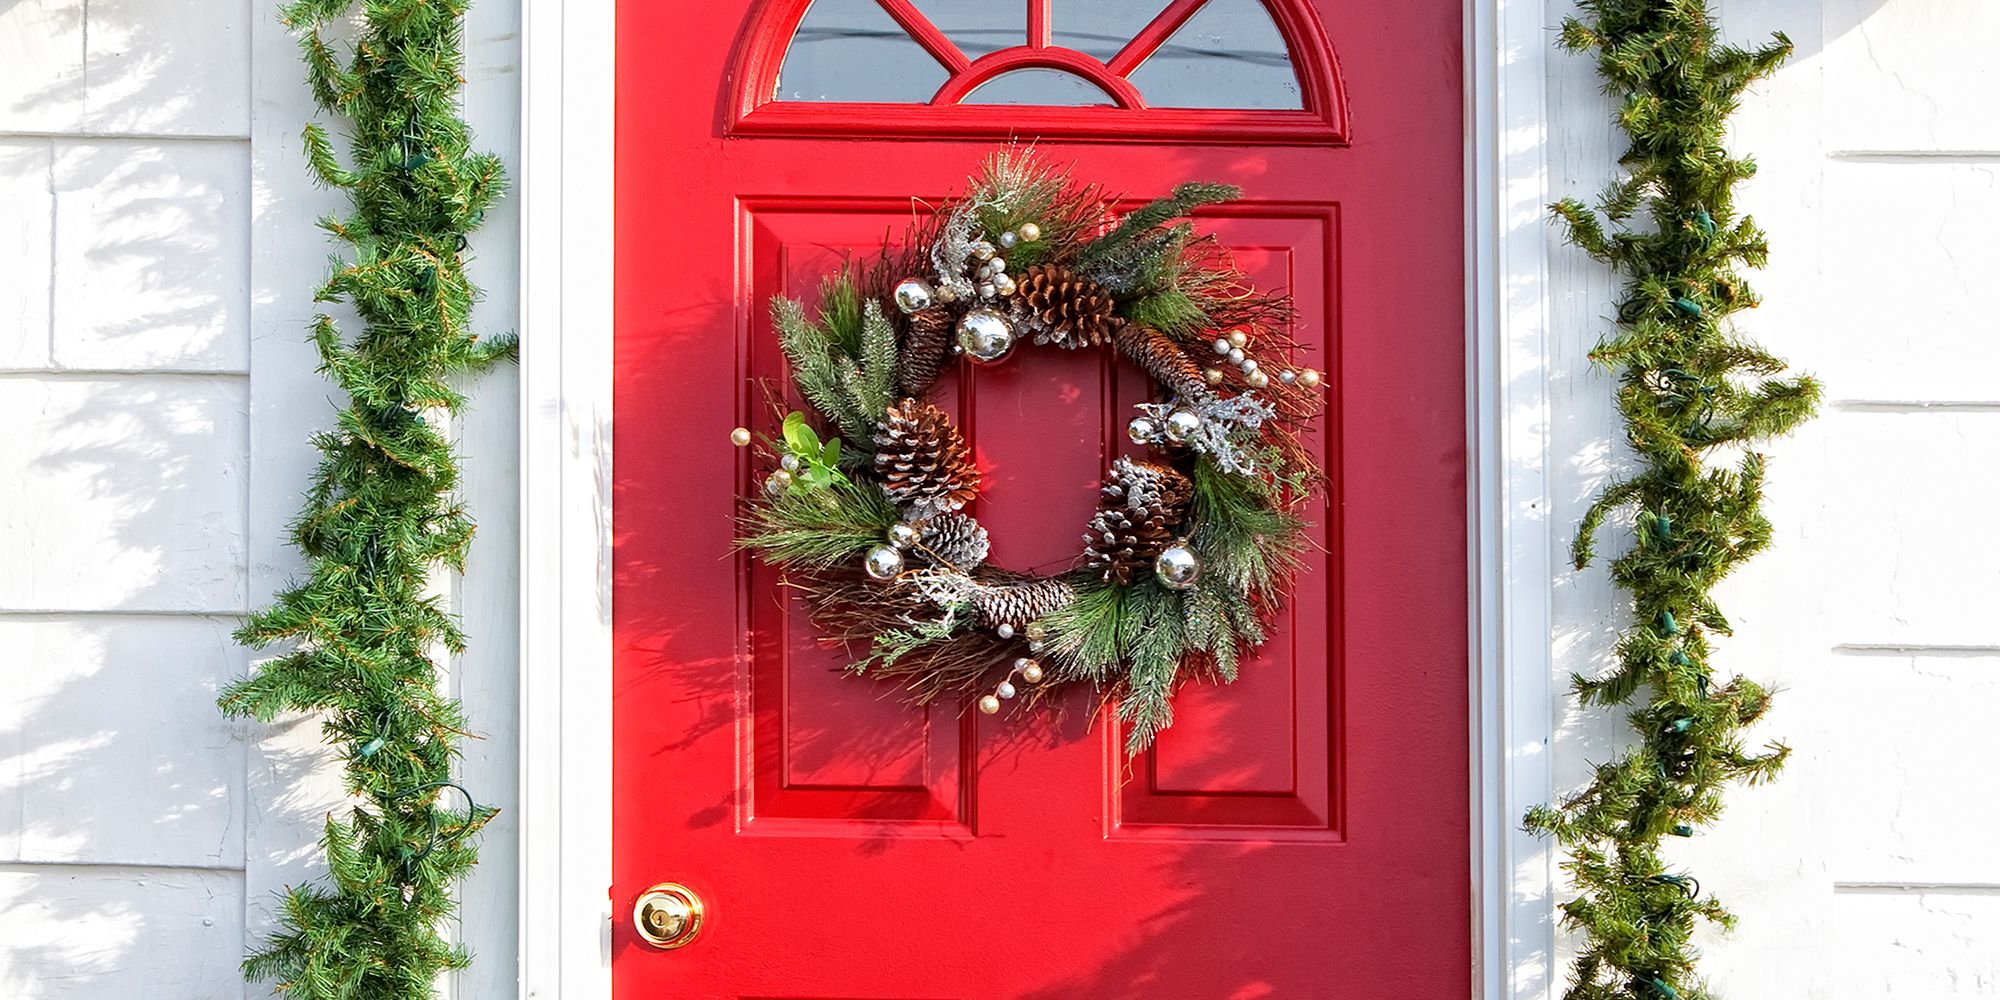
x=122 y=494
x=169 y=66
x=1910 y=75
x=89 y=933
x=1886 y=542
x=27 y=231
x=151 y=268
x=1902 y=763
x=115 y=753
x=1912 y=946
x=1920 y=327
x=41 y=65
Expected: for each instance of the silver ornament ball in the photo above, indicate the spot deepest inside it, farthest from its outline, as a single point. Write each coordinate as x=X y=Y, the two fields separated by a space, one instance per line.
x=884 y=562
x=1143 y=430
x=1005 y=690
x=1008 y=239
x=913 y=295
x=1177 y=568
x=902 y=535
x=985 y=336
x=789 y=463
x=1005 y=631
x=1181 y=425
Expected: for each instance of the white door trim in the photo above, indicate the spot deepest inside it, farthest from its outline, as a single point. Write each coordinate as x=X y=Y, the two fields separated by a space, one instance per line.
x=1512 y=539
x=565 y=184
x=565 y=187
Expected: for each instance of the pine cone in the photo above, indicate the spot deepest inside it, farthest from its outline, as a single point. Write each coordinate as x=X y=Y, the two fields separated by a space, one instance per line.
x=926 y=350
x=1142 y=506
x=1164 y=360
x=1018 y=604
x=922 y=460
x=1066 y=309
x=955 y=540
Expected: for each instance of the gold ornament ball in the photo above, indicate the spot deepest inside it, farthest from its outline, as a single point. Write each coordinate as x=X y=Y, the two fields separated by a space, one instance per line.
x=1257 y=380
x=1237 y=338
x=1037 y=631
x=740 y=436
x=1212 y=376
x=1030 y=232
x=1309 y=377
x=1032 y=673
x=989 y=705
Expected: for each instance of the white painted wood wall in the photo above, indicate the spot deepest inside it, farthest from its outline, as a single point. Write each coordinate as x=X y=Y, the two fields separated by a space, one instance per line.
x=156 y=261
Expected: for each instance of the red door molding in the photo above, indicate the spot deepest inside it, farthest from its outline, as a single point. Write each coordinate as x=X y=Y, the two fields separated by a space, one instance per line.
x=757 y=110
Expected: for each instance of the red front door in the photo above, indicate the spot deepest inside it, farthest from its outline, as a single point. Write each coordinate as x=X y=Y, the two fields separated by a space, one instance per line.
x=1302 y=833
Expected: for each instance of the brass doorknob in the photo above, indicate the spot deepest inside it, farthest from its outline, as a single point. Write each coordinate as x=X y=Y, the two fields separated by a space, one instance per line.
x=668 y=916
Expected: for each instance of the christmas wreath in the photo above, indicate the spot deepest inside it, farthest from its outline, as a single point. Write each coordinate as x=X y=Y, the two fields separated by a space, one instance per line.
x=869 y=504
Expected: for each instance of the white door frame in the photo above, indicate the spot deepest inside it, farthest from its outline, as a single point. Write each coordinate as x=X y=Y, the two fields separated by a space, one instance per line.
x=565 y=184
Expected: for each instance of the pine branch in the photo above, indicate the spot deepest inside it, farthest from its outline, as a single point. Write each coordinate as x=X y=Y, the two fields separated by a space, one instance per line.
x=1688 y=386
x=381 y=518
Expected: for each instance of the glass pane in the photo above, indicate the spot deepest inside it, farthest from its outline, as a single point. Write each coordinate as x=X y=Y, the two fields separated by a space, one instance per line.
x=1100 y=27
x=978 y=26
x=850 y=50
x=1037 y=86
x=1228 y=55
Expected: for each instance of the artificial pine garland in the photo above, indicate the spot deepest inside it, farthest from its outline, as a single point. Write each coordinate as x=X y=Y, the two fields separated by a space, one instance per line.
x=1190 y=551
x=1692 y=392
x=381 y=517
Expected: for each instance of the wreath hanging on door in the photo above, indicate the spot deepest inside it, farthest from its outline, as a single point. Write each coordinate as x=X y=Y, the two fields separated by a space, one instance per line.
x=868 y=504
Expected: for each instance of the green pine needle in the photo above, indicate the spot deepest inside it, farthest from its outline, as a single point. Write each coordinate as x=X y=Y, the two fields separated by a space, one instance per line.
x=1688 y=386
x=359 y=634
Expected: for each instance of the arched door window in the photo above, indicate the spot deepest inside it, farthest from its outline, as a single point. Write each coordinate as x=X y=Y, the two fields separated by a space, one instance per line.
x=1194 y=70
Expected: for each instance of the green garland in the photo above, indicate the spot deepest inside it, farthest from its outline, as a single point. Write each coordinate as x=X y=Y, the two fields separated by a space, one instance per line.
x=382 y=517
x=1689 y=386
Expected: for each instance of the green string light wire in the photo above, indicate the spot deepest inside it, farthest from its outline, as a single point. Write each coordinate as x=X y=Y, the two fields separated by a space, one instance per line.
x=360 y=635
x=1689 y=385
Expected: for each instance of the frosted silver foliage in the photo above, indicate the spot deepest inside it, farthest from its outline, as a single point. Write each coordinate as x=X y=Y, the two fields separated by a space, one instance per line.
x=1228 y=431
